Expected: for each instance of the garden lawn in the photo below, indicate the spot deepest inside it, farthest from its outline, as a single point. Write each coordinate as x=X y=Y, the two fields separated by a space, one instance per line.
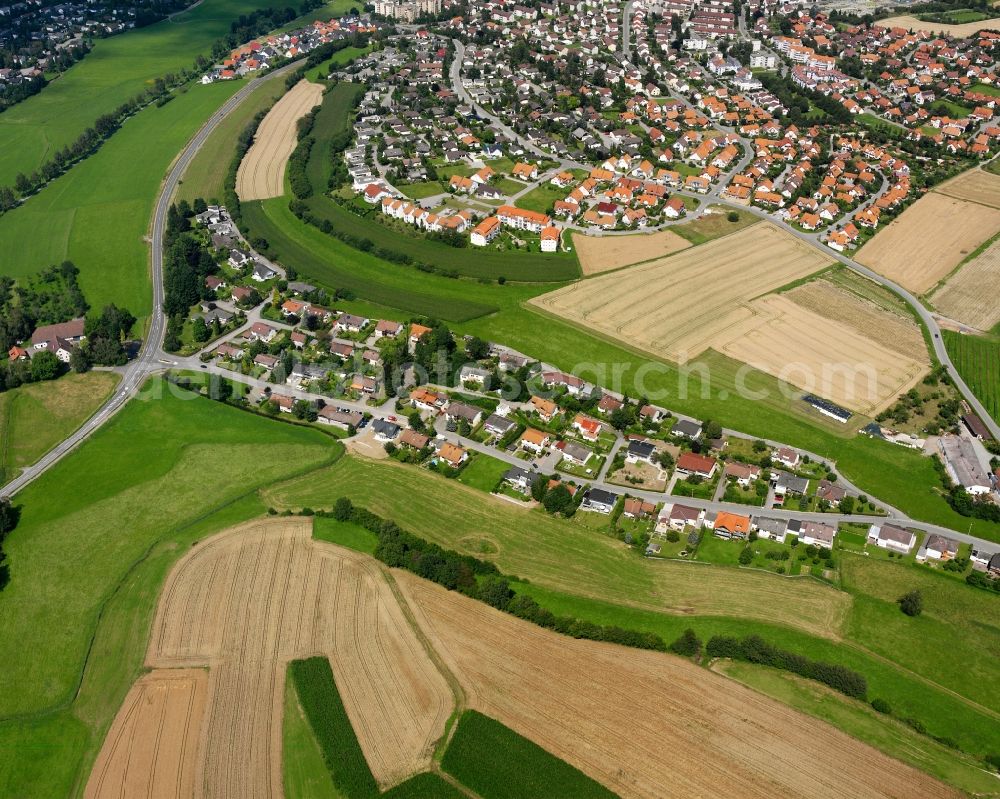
x=97 y=214
x=115 y=70
x=206 y=175
x=483 y=472
x=541 y=198
x=36 y=417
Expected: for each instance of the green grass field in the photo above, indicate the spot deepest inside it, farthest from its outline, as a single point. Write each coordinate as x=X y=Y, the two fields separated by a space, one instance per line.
x=345 y=534
x=574 y=570
x=497 y=763
x=541 y=198
x=862 y=722
x=115 y=70
x=206 y=175
x=529 y=267
x=304 y=771
x=334 y=264
x=978 y=362
x=98 y=533
x=483 y=472
x=97 y=214
x=36 y=417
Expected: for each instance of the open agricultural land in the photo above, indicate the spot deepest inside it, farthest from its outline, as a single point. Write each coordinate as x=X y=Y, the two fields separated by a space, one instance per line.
x=929 y=239
x=961 y=29
x=98 y=213
x=977 y=359
x=970 y=295
x=246 y=602
x=614 y=723
x=152 y=747
x=36 y=417
x=575 y=570
x=651 y=305
x=849 y=360
x=562 y=556
x=116 y=69
x=206 y=175
x=975 y=185
x=262 y=171
x=603 y=253
x=86 y=571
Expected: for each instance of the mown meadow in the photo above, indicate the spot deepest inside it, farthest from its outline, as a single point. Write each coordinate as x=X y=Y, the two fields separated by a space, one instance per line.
x=98 y=534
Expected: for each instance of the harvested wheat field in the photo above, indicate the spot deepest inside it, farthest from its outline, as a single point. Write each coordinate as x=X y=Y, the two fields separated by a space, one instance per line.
x=262 y=172
x=603 y=253
x=928 y=240
x=976 y=185
x=676 y=307
x=643 y=723
x=824 y=355
x=152 y=747
x=960 y=30
x=246 y=602
x=897 y=331
x=971 y=295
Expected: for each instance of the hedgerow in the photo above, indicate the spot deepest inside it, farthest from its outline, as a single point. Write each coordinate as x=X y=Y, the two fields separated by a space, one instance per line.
x=755 y=649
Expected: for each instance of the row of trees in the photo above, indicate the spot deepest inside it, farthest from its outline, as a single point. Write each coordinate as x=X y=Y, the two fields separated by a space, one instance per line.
x=755 y=649
x=478 y=579
x=9 y=517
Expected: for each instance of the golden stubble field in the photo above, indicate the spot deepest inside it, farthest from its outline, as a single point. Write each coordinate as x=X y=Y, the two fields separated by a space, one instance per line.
x=960 y=30
x=677 y=306
x=975 y=185
x=972 y=295
x=261 y=174
x=929 y=239
x=643 y=723
x=599 y=254
x=243 y=604
x=719 y=296
x=206 y=720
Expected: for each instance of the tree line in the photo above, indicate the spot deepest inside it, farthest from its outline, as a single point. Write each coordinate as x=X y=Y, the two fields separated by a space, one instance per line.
x=477 y=579
x=10 y=515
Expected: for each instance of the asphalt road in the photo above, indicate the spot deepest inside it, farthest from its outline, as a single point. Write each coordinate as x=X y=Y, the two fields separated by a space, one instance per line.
x=149 y=358
x=152 y=358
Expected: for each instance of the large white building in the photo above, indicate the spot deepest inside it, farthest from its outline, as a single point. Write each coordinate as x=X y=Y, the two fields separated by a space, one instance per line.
x=407 y=10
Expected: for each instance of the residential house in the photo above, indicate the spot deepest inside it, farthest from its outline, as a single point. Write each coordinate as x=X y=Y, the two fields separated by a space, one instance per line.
x=413 y=438
x=599 y=501
x=534 y=440
x=889 y=536
x=635 y=508
x=690 y=463
x=815 y=533
x=640 y=451
x=742 y=473
x=452 y=454
x=731 y=525
x=775 y=529
x=938 y=547
x=385 y=430
x=687 y=428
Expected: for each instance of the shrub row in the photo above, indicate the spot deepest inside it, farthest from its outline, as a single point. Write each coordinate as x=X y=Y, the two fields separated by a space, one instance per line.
x=755 y=649
x=479 y=579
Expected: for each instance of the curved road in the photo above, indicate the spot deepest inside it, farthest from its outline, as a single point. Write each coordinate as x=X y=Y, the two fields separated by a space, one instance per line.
x=152 y=358
x=148 y=360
